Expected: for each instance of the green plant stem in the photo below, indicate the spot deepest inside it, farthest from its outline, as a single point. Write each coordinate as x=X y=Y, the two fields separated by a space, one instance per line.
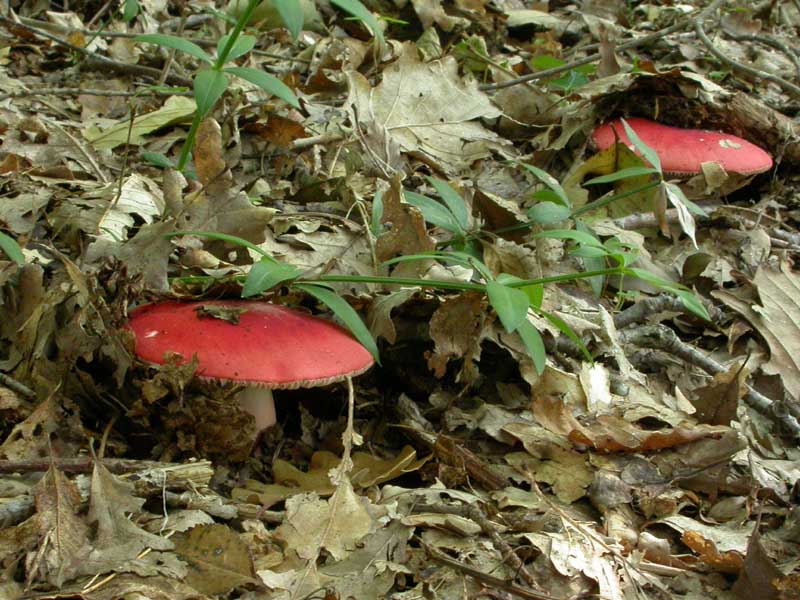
x=576 y=213
x=241 y=22
x=188 y=143
x=606 y=201
x=442 y=284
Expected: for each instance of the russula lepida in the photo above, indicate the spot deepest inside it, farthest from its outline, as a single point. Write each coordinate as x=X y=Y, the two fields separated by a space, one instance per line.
x=256 y=344
x=683 y=151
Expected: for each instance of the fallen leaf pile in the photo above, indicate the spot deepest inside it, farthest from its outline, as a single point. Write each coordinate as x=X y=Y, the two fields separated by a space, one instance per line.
x=650 y=453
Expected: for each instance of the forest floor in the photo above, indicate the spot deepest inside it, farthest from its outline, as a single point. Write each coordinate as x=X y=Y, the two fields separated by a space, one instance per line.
x=587 y=378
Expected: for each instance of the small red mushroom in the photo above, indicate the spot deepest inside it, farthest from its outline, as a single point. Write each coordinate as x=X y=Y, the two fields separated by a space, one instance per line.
x=257 y=344
x=683 y=151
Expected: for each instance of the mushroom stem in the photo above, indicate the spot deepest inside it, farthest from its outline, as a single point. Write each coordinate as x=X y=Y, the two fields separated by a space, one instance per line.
x=258 y=402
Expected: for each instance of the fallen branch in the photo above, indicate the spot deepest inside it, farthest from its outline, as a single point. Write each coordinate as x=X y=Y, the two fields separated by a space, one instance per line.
x=485 y=578
x=663 y=338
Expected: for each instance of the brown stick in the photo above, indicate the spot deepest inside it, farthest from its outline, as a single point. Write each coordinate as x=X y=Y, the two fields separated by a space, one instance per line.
x=475 y=514
x=81 y=465
x=485 y=578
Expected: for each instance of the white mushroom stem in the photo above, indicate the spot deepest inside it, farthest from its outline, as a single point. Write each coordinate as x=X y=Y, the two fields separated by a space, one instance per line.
x=258 y=402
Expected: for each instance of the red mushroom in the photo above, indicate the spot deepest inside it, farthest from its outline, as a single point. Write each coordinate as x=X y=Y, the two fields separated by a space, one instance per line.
x=257 y=344
x=683 y=151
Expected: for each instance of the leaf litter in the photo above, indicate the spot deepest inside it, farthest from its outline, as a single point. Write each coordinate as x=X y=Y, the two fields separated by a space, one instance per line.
x=665 y=468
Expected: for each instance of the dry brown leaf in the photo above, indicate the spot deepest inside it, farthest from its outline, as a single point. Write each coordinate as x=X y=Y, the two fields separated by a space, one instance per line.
x=457 y=328
x=110 y=503
x=710 y=556
x=63 y=535
x=219 y=560
x=613 y=434
x=777 y=320
x=407 y=234
x=759 y=576
x=289 y=480
x=207 y=153
x=336 y=525
x=278 y=131
x=379 y=316
x=29 y=439
x=718 y=400
x=428 y=110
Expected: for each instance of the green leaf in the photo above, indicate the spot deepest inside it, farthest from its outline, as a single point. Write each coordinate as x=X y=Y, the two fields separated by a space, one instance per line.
x=176 y=43
x=654 y=280
x=580 y=237
x=242 y=45
x=623 y=174
x=268 y=83
x=455 y=203
x=266 y=274
x=533 y=344
x=535 y=294
x=158 y=159
x=549 y=181
x=346 y=314
x=358 y=10
x=433 y=212
x=534 y=291
x=375 y=225
x=678 y=193
x=11 y=248
x=510 y=304
x=544 y=62
x=687 y=297
x=598 y=282
x=589 y=252
x=693 y=303
x=643 y=148
x=571 y=80
x=130 y=10
x=546 y=213
x=291 y=13
x=224 y=237
x=546 y=196
x=209 y=85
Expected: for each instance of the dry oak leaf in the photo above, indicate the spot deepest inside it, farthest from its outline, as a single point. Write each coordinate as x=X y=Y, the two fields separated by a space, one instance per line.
x=218 y=558
x=777 y=319
x=457 y=328
x=62 y=533
x=429 y=111
x=614 y=434
x=407 y=234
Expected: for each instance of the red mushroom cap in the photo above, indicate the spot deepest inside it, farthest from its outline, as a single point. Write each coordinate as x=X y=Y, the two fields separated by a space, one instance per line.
x=271 y=346
x=682 y=151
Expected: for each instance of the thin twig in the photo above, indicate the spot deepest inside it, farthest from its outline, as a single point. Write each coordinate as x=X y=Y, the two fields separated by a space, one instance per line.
x=485 y=578
x=639 y=312
x=787 y=86
x=82 y=149
x=663 y=338
x=767 y=41
x=81 y=465
x=475 y=514
x=204 y=43
x=96 y=60
x=91 y=92
x=642 y=41
x=16 y=386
